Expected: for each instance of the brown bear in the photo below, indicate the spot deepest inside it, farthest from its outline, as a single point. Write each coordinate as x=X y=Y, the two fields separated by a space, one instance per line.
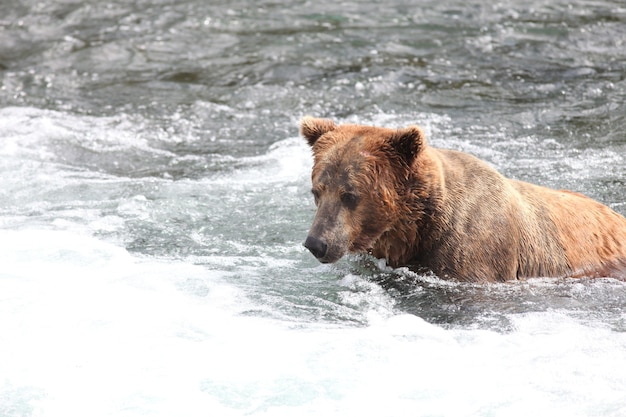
x=386 y=192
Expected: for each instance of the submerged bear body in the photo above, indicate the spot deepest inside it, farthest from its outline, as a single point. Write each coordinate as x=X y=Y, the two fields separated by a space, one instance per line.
x=386 y=192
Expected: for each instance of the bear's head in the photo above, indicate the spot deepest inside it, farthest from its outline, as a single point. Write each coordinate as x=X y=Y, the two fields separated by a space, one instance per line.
x=361 y=176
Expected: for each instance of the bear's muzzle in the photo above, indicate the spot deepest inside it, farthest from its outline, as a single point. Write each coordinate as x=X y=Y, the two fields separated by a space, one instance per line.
x=316 y=246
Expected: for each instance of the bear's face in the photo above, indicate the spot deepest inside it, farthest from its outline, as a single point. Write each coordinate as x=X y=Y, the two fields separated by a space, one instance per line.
x=351 y=209
x=358 y=179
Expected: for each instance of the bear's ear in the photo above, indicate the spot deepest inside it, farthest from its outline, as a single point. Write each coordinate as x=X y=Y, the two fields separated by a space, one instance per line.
x=408 y=142
x=312 y=129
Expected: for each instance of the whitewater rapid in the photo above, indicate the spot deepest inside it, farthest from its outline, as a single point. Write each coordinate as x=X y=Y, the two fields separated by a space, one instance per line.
x=233 y=326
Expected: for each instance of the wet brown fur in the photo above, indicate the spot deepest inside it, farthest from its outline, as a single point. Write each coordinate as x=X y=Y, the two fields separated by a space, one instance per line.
x=386 y=192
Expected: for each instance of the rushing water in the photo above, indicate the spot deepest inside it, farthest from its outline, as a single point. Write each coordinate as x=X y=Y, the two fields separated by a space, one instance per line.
x=154 y=196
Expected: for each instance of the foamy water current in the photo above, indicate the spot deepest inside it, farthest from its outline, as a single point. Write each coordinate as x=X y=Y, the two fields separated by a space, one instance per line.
x=154 y=196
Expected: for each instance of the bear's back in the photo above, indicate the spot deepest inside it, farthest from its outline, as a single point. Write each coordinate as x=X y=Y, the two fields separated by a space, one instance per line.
x=513 y=229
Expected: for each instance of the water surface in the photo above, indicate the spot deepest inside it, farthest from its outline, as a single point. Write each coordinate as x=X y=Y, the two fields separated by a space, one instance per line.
x=154 y=196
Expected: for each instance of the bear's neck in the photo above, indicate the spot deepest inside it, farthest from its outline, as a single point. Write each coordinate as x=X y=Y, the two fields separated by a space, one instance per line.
x=417 y=228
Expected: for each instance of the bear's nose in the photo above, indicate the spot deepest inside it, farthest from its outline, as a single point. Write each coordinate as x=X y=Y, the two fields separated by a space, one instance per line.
x=316 y=246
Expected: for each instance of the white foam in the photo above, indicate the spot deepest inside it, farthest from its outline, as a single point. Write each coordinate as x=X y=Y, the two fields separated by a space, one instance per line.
x=287 y=161
x=363 y=293
x=95 y=329
x=29 y=132
x=89 y=329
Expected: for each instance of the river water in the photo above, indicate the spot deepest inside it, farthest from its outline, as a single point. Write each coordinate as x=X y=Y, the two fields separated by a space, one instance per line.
x=154 y=196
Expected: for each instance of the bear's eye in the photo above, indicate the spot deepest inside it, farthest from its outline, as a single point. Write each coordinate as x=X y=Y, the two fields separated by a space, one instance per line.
x=349 y=200
x=316 y=196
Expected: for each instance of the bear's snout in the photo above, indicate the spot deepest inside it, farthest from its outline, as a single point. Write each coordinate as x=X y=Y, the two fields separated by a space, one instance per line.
x=317 y=247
